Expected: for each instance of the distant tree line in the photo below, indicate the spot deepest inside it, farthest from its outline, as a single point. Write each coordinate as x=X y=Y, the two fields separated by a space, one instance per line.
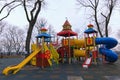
x=12 y=39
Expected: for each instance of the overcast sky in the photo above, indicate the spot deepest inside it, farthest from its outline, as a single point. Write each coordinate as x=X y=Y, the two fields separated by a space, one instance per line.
x=56 y=12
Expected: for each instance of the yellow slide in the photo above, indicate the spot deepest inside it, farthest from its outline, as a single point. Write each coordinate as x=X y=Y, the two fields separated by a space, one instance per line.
x=55 y=54
x=14 y=69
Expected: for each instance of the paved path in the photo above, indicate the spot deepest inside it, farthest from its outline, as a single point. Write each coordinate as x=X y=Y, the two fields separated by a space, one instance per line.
x=62 y=71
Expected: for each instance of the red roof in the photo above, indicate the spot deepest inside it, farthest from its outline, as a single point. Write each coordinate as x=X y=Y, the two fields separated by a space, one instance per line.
x=90 y=25
x=67 y=33
x=66 y=23
x=43 y=29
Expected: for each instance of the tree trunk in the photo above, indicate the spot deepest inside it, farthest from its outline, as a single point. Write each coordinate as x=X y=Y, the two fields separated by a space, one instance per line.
x=106 y=30
x=33 y=17
x=97 y=23
x=28 y=38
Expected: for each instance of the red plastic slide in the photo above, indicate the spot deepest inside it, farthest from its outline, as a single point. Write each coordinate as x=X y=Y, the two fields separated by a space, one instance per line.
x=87 y=63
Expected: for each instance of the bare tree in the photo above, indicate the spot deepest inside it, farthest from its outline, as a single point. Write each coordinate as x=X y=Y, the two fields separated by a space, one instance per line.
x=2 y=25
x=6 y=6
x=118 y=34
x=32 y=9
x=31 y=15
x=13 y=39
x=42 y=22
x=6 y=43
x=17 y=36
x=80 y=32
x=100 y=12
x=52 y=32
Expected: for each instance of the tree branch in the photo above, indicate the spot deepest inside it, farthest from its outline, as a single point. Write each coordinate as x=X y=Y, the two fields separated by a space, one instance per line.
x=38 y=10
x=92 y=3
x=34 y=8
x=6 y=6
x=103 y=15
x=25 y=8
x=84 y=4
x=9 y=12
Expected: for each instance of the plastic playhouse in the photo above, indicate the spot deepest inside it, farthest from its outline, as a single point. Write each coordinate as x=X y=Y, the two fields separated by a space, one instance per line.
x=71 y=49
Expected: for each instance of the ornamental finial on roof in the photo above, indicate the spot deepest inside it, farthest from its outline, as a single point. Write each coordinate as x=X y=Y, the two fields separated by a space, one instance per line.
x=66 y=18
x=66 y=25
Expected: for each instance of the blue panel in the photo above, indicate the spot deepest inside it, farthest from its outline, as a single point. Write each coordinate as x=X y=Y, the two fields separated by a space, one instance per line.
x=45 y=35
x=90 y=30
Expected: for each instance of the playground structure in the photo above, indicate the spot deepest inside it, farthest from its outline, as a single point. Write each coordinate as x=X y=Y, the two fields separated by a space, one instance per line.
x=87 y=48
x=71 y=50
x=41 y=55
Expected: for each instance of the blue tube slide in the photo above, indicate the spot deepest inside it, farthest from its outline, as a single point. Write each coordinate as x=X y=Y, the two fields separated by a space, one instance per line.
x=108 y=43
